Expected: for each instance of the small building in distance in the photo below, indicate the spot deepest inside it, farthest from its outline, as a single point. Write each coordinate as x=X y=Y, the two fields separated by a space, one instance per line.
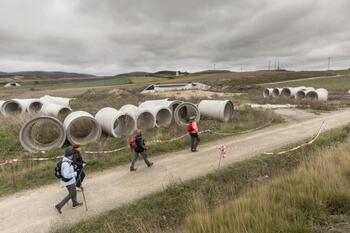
x=12 y=84
x=174 y=86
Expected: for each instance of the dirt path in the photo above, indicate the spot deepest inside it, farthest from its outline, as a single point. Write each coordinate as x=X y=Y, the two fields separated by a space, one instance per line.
x=32 y=211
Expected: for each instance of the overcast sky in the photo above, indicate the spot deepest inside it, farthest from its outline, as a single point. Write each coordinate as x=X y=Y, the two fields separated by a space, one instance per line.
x=112 y=36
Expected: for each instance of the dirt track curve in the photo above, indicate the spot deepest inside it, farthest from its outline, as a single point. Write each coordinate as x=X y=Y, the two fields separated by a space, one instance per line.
x=32 y=211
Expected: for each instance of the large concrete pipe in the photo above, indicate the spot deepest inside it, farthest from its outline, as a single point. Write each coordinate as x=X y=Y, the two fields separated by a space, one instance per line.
x=30 y=105
x=320 y=94
x=144 y=118
x=301 y=94
x=56 y=100
x=162 y=115
x=171 y=104
x=12 y=107
x=276 y=92
x=56 y=110
x=1 y=103
x=221 y=110
x=184 y=111
x=290 y=92
x=116 y=123
x=82 y=128
x=267 y=92
x=42 y=134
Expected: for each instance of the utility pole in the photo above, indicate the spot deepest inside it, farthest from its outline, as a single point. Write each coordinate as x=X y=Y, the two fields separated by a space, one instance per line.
x=278 y=65
x=329 y=63
x=214 y=66
x=269 y=67
x=241 y=68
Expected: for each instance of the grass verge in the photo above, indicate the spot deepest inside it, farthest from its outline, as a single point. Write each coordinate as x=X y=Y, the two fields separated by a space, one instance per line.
x=169 y=209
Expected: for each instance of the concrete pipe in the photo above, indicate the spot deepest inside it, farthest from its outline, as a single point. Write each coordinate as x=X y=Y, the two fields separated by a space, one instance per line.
x=144 y=118
x=171 y=104
x=56 y=100
x=221 y=110
x=30 y=105
x=301 y=94
x=276 y=92
x=1 y=103
x=320 y=94
x=42 y=134
x=56 y=110
x=184 y=111
x=162 y=115
x=116 y=123
x=290 y=92
x=267 y=92
x=12 y=107
x=82 y=128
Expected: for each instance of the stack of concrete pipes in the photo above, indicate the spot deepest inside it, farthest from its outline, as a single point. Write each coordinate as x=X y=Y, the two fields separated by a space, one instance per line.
x=298 y=93
x=82 y=128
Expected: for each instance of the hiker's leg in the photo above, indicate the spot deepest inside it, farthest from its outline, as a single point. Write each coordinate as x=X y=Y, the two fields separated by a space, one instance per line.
x=79 y=177
x=197 y=142
x=192 y=142
x=136 y=156
x=65 y=200
x=73 y=193
x=144 y=155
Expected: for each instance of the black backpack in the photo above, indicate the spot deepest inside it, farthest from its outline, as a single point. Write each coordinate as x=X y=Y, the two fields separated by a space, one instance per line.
x=58 y=173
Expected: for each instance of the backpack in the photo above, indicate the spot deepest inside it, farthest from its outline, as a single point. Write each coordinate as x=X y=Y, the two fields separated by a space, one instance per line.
x=132 y=142
x=190 y=128
x=58 y=173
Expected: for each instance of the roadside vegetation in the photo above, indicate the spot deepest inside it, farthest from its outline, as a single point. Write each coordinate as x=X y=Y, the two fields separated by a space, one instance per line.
x=302 y=191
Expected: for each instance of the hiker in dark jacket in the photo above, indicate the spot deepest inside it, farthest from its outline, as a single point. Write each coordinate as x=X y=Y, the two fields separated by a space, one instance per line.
x=140 y=148
x=68 y=181
x=78 y=164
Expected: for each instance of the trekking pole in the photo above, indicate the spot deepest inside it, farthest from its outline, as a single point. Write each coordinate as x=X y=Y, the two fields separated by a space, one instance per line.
x=82 y=189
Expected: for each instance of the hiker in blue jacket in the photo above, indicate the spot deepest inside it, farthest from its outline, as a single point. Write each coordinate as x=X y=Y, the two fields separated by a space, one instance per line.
x=68 y=180
x=138 y=145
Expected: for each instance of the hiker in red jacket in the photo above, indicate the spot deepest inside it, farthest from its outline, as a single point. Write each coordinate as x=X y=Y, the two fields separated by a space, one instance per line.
x=137 y=144
x=192 y=129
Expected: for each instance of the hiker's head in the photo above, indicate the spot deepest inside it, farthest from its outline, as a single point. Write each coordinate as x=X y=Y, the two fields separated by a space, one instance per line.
x=69 y=154
x=191 y=119
x=139 y=132
x=77 y=148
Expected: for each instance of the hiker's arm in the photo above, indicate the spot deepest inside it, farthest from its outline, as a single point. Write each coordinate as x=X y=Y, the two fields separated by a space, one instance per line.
x=66 y=173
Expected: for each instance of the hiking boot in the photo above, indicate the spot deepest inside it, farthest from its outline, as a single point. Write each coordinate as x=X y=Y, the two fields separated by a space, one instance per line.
x=79 y=204
x=133 y=169
x=58 y=209
x=150 y=165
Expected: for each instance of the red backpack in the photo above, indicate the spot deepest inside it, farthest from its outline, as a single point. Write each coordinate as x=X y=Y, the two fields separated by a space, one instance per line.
x=132 y=142
x=190 y=127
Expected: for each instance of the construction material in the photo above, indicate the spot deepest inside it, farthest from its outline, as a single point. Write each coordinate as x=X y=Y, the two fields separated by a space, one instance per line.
x=1 y=103
x=162 y=115
x=221 y=110
x=276 y=92
x=171 y=104
x=56 y=110
x=30 y=105
x=267 y=92
x=175 y=86
x=56 y=100
x=81 y=128
x=301 y=94
x=116 y=123
x=42 y=134
x=290 y=92
x=185 y=111
x=320 y=94
x=12 y=107
x=144 y=118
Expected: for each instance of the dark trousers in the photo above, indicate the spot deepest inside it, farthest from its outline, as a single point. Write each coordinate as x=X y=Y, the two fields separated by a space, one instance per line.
x=72 y=194
x=136 y=157
x=80 y=177
x=194 y=141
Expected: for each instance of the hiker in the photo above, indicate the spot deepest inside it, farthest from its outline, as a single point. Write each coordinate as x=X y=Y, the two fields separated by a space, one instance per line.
x=68 y=180
x=78 y=164
x=192 y=129
x=137 y=144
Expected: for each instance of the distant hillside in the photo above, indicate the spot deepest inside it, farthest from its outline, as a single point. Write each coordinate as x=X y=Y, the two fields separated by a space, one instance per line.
x=44 y=74
x=133 y=74
x=163 y=73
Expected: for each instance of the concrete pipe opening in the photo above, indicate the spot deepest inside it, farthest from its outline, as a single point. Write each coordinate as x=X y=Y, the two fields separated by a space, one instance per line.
x=145 y=120
x=301 y=94
x=184 y=111
x=35 y=106
x=320 y=94
x=116 y=123
x=56 y=110
x=163 y=117
x=42 y=134
x=276 y=92
x=267 y=92
x=81 y=128
x=12 y=107
x=221 y=110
